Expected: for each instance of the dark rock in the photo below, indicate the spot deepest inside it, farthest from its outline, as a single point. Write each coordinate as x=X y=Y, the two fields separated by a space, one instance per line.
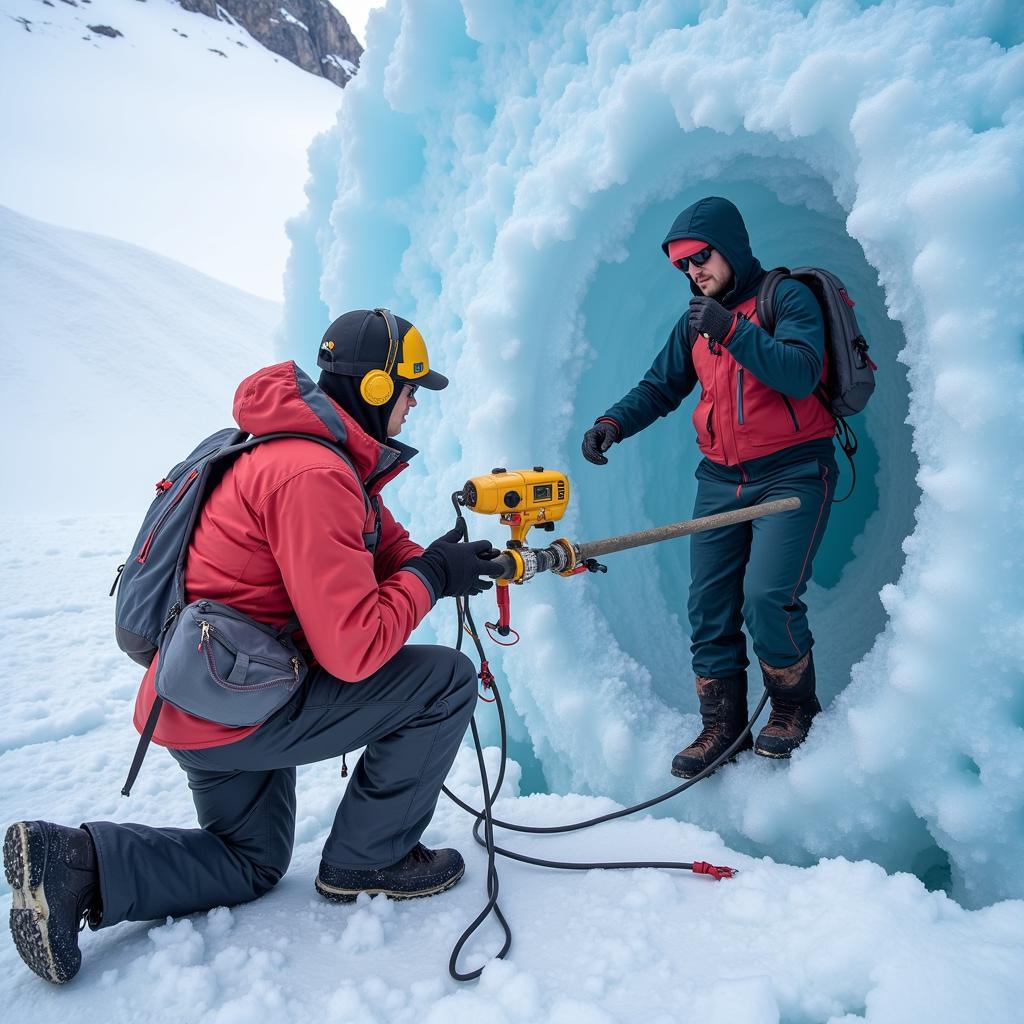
x=310 y=33
x=24 y=23
x=221 y=52
x=105 y=30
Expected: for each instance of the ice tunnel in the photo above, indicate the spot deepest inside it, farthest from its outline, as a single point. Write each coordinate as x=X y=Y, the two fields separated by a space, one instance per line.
x=503 y=175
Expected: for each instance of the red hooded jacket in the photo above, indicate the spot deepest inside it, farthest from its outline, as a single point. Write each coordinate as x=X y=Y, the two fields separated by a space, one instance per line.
x=281 y=537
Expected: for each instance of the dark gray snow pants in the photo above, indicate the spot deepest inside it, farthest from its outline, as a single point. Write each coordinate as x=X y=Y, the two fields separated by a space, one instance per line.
x=757 y=572
x=411 y=716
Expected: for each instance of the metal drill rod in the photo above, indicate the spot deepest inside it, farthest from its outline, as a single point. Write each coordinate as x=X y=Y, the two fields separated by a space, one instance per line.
x=642 y=537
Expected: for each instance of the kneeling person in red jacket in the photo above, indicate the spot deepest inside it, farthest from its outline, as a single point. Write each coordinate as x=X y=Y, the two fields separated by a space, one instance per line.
x=287 y=534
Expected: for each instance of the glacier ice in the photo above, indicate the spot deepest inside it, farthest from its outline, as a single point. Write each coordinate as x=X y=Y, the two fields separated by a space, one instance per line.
x=503 y=176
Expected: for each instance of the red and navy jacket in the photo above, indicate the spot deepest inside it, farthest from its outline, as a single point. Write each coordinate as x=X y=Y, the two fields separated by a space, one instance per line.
x=281 y=536
x=757 y=389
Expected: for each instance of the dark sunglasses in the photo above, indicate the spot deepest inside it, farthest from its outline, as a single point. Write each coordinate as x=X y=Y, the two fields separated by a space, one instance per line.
x=698 y=259
x=412 y=389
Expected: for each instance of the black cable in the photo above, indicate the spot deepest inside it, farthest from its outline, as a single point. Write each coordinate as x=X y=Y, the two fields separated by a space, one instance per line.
x=492 y=875
x=612 y=815
x=485 y=816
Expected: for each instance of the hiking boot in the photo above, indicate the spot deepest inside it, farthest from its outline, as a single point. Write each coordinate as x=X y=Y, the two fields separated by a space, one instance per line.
x=55 y=887
x=421 y=872
x=723 y=710
x=794 y=705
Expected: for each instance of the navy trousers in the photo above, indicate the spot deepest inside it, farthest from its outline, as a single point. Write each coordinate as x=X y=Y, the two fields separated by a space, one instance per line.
x=411 y=716
x=756 y=572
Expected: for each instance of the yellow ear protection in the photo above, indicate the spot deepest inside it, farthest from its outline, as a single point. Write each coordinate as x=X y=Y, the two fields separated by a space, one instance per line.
x=377 y=386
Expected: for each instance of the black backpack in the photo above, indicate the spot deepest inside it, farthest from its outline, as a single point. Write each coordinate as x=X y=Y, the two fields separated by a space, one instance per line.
x=851 y=371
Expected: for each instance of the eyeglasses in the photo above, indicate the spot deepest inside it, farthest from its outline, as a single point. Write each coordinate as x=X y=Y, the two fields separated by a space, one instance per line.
x=698 y=259
x=411 y=390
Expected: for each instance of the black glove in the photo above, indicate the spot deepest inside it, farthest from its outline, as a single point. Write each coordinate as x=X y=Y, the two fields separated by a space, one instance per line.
x=710 y=319
x=597 y=440
x=454 y=569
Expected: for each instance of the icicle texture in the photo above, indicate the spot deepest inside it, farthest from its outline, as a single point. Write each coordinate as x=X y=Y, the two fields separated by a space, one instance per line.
x=503 y=174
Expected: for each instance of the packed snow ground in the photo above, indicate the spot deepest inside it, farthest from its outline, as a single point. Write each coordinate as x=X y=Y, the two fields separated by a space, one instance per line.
x=183 y=135
x=836 y=943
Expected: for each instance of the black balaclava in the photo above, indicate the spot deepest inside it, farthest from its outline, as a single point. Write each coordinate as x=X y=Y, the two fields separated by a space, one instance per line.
x=345 y=391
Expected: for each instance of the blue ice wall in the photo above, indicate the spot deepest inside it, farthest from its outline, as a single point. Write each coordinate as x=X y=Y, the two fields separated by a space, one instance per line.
x=503 y=174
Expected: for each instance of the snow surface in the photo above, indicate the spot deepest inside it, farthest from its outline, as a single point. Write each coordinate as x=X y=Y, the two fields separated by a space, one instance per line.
x=838 y=942
x=184 y=135
x=503 y=175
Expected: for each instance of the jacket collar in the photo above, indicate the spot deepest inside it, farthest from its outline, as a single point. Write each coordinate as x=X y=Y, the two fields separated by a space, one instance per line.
x=283 y=398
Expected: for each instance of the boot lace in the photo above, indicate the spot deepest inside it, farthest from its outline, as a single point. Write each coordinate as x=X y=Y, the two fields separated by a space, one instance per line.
x=785 y=715
x=421 y=854
x=706 y=740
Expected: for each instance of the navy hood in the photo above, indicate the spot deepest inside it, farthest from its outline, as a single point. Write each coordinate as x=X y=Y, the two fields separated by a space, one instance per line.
x=717 y=221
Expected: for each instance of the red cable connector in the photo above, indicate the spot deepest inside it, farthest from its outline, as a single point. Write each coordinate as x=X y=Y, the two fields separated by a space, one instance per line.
x=486 y=677
x=702 y=867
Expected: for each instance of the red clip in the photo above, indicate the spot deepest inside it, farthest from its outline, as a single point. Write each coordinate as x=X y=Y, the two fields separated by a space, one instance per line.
x=846 y=298
x=163 y=485
x=702 y=867
x=486 y=677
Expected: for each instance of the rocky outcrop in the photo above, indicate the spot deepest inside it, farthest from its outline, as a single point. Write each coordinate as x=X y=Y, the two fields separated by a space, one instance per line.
x=309 y=33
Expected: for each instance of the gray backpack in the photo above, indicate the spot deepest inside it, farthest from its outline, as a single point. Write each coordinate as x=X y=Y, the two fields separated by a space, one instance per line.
x=215 y=662
x=851 y=371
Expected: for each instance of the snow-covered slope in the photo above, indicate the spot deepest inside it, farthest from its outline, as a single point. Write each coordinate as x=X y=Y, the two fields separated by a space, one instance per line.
x=115 y=362
x=182 y=134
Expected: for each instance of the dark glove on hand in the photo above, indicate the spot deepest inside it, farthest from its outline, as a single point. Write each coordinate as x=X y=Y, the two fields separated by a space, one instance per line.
x=710 y=319
x=454 y=569
x=597 y=440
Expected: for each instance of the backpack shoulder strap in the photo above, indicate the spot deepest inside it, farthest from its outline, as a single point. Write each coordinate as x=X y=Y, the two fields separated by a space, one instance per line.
x=765 y=302
x=231 y=451
x=332 y=445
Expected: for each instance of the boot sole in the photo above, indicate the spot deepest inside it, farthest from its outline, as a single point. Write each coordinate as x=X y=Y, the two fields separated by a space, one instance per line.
x=336 y=895
x=694 y=774
x=774 y=756
x=30 y=912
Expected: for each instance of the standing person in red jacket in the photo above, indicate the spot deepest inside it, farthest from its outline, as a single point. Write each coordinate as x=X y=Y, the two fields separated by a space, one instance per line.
x=286 y=534
x=764 y=434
